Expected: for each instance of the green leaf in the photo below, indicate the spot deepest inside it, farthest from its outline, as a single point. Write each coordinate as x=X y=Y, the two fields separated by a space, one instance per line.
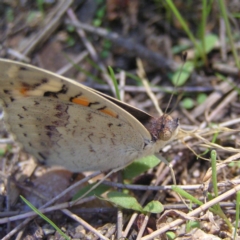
x=153 y=207
x=201 y=98
x=70 y=28
x=237 y=214
x=9 y=15
x=191 y=225
x=98 y=191
x=210 y=42
x=45 y=218
x=114 y=80
x=170 y=235
x=182 y=74
x=124 y=200
x=34 y=16
x=185 y=194
x=139 y=166
x=187 y=103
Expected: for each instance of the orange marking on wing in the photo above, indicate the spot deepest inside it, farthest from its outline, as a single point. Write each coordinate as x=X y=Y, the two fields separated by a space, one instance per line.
x=24 y=91
x=81 y=101
x=109 y=112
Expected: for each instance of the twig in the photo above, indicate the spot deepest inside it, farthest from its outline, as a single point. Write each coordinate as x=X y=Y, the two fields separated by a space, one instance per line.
x=192 y=213
x=128 y=88
x=91 y=50
x=141 y=73
x=223 y=88
x=222 y=105
x=76 y=60
x=26 y=221
x=135 y=48
x=51 y=22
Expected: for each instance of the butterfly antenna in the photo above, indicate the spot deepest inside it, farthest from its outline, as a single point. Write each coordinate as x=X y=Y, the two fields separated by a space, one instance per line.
x=184 y=58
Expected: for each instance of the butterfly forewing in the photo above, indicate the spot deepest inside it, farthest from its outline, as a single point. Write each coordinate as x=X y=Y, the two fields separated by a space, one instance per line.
x=61 y=122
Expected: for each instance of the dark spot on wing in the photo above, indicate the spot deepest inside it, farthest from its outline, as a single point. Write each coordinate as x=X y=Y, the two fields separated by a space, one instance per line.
x=51 y=131
x=89 y=117
x=76 y=96
x=94 y=103
x=101 y=108
x=55 y=94
x=26 y=85
x=6 y=91
x=45 y=80
x=42 y=159
x=23 y=69
x=91 y=149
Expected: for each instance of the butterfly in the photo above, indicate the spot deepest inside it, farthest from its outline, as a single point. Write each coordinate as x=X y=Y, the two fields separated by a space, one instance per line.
x=62 y=122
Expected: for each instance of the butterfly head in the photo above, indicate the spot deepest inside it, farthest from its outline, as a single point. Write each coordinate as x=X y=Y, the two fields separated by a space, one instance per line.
x=163 y=130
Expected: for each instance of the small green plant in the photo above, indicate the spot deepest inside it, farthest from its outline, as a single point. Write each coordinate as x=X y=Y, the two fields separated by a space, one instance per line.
x=126 y=201
x=44 y=217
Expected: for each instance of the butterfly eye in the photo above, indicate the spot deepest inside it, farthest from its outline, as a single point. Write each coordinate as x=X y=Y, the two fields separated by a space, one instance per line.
x=168 y=128
x=165 y=135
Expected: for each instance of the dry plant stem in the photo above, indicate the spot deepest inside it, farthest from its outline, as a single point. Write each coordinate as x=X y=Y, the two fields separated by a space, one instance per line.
x=157 y=89
x=44 y=210
x=91 y=50
x=189 y=116
x=224 y=68
x=169 y=187
x=223 y=88
x=148 y=103
x=141 y=73
x=8 y=200
x=130 y=223
x=221 y=165
x=19 y=236
x=208 y=144
x=17 y=55
x=51 y=22
x=70 y=65
x=20 y=226
x=122 y=83
x=119 y=212
x=6 y=140
x=195 y=212
x=209 y=131
x=60 y=206
x=119 y=223
x=155 y=58
x=222 y=105
x=223 y=46
x=143 y=227
x=83 y=223
x=150 y=188
x=145 y=196
x=230 y=122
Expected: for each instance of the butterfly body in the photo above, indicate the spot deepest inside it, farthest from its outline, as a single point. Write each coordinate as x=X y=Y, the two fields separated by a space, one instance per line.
x=62 y=122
